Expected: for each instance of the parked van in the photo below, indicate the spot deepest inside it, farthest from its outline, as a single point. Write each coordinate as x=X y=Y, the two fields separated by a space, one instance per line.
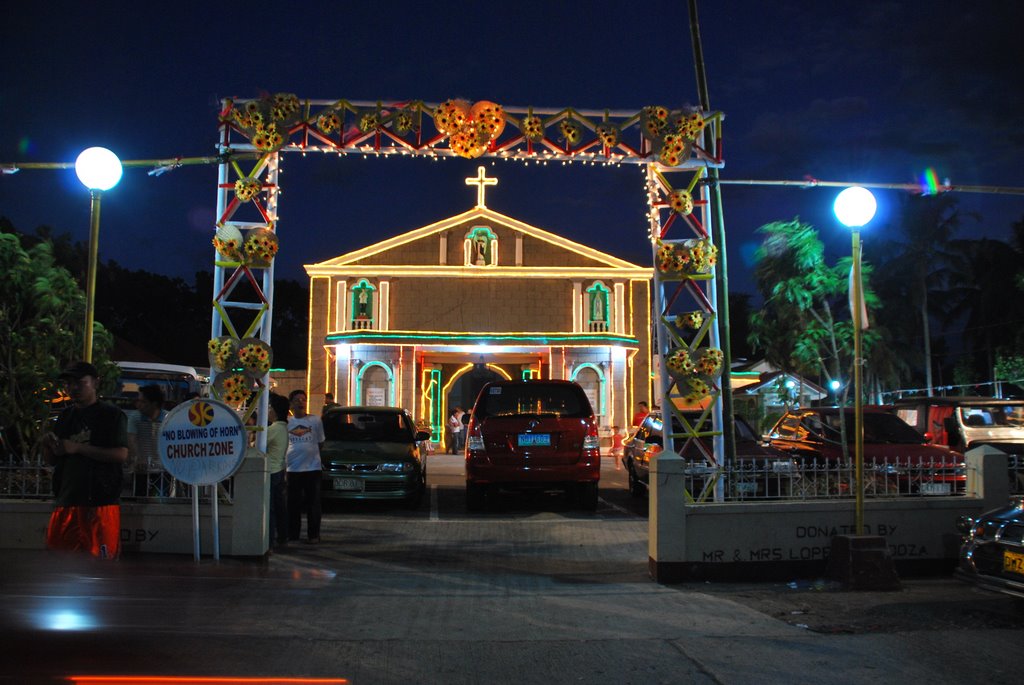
x=963 y=423
x=179 y=383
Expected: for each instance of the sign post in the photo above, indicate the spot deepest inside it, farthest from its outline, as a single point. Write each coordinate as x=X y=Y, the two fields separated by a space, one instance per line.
x=202 y=442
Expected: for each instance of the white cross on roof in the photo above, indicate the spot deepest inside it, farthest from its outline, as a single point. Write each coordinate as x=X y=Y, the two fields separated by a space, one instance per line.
x=481 y=182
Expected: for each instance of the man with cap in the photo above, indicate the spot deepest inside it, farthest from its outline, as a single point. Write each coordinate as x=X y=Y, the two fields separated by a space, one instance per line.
x=88 y=447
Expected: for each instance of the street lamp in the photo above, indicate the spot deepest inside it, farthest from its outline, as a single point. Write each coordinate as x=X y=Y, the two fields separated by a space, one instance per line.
x=98 y=169
x=854 y=207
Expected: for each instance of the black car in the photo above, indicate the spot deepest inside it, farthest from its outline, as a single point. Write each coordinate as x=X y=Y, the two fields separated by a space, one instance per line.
x=757 y=466
x=372 y=453
x=992 y=554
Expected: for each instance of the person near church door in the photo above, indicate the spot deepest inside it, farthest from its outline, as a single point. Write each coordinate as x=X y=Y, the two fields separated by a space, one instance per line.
x=455 y=430
x=640 y=415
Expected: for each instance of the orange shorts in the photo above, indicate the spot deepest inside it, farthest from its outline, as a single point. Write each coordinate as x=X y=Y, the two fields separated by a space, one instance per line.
x=96 y=530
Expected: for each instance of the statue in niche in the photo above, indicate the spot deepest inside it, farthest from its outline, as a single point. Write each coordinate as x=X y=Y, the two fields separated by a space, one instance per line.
x=597 y=308
x=480 y=250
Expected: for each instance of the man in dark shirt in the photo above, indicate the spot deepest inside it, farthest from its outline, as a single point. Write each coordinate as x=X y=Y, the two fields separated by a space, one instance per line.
x=87 y=448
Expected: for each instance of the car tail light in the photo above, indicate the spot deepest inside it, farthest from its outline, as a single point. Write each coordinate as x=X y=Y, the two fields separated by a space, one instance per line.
x=592 y=440
x=475 y=439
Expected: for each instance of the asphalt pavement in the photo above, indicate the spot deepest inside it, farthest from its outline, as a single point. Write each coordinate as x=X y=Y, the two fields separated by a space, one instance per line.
x=533 y=592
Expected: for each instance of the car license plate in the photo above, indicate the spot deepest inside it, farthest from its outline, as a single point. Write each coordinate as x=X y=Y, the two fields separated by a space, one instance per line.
x=534 y=440
x=1013 y=562
x=348 y=484
x=935 y=488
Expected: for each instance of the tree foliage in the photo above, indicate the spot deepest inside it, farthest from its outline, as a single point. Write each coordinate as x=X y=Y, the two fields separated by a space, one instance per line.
x=42 y=310
x=803 y=326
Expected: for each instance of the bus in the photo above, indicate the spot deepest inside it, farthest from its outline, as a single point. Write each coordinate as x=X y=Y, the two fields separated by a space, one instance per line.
x=179 y=383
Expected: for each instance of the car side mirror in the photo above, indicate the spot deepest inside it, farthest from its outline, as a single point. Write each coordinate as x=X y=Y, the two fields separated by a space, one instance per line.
x=422 y=435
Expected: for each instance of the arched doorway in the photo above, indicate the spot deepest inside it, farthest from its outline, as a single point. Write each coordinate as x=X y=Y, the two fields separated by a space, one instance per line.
x=464 y=390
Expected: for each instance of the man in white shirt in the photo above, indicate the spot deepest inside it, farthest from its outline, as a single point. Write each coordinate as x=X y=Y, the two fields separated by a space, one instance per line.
x=151 y=480
x=305 y=437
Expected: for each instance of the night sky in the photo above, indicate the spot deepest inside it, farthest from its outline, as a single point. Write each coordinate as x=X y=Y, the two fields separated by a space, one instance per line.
x=845 y=91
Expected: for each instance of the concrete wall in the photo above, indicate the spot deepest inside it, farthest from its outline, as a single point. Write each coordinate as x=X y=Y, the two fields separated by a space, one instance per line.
x=785 y=540
x=165 y=527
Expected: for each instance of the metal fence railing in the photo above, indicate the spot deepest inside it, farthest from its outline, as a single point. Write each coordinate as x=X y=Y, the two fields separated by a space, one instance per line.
x=31 y=478
x=773 y=479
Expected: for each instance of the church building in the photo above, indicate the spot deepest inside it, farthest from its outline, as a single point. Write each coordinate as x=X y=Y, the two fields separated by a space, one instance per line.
x=422 y=320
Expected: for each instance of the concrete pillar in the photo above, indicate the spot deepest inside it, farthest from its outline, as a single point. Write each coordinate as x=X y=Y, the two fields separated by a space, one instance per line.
x=986 y=476
x=250 y=534
x=666 y=525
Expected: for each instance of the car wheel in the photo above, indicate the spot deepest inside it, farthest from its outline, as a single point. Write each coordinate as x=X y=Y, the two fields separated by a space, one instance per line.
x=636 y=488
x=586 y=496
x=475 y=494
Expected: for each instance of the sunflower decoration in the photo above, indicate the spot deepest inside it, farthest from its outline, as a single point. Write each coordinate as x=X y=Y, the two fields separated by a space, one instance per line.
x=328 y=122
x=709 y=362
x=679 y=362
x=228 y=243
x=705 y=256
x=692 y=320
x=260 y=247
x=653 y=121
x=233 y=388
x=284 y=105
x=608 y=134
x=369 y=121
x=665 y=257
x=450 y=116
x=674 y=149
x=403 y=122
x=489 y=118
x=681 y=201
x=683 y=258
x=694 y=389
x=267 y=138
x=688 y=124
x=255 y=356
x=532 y=127
x=571 y=132
x=247 y=188
x=223 y=353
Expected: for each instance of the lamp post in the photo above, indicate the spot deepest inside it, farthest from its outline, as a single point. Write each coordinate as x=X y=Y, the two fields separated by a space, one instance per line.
x=98 y=169
x=854 y=207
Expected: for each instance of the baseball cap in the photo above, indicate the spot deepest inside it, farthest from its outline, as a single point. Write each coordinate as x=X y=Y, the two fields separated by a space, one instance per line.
x=80 y=369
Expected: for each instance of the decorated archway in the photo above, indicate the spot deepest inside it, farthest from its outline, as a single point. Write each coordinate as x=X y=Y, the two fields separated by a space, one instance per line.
x=674 y=148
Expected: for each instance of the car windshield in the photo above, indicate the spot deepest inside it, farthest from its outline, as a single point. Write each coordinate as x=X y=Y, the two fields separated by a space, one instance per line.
x=879 y=428
x=992 y=415
x=367 y=426
x=532 y=399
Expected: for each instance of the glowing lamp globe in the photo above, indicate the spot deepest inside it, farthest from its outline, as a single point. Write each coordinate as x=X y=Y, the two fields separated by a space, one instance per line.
x=835 y=385
x=98 y=168
x=855 y=206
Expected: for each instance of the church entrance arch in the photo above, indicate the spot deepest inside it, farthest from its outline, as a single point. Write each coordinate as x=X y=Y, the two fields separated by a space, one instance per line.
x=466 y=383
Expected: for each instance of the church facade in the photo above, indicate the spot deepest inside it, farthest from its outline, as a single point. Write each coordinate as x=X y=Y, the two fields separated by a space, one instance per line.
x=424 y=319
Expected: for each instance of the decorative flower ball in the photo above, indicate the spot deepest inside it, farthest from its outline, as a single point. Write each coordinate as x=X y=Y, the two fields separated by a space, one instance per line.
x=489 y=116
x=679 y=363
x=254 y=356
x=328 y=122
x=234 y=389
x=709 y=362
x=692 y=320
x=571 y=131
x=683 y=258
x=228 y=243
x=260 y=247
x=608 y=134
x=247 y=188
x=450 y=116
x=665 y=257
x=532 y=128
x=268 y=139
x=470 y=142
x=369 y=122
x=223 y=353
x=693 y=126
x=681 y=201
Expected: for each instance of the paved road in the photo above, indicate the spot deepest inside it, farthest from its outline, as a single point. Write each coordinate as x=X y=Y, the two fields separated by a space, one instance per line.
x=531 y=591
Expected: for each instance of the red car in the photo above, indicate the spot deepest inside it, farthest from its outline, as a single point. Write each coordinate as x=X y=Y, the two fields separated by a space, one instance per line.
x=532 y=434
x=896 y=454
